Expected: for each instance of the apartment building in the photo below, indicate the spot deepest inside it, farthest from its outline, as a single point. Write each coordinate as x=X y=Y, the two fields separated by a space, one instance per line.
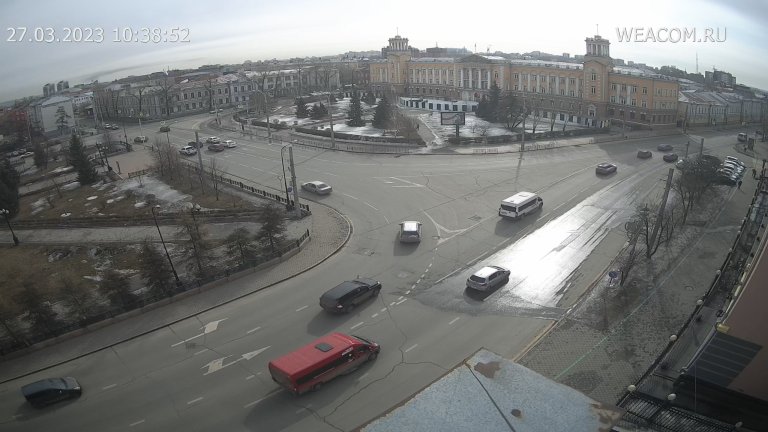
x=593 y=93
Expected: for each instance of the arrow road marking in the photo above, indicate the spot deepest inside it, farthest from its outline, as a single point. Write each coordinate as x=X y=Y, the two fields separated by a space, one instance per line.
x=208 y=328
x=218 y=364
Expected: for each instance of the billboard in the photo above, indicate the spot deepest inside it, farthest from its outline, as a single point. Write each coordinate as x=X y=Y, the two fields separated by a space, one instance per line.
x=452 y=118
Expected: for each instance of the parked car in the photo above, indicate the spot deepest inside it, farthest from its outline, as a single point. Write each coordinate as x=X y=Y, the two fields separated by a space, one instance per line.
x=51 y=390
x=605 y=168
x=140 y=139
x=196 y=144
x=317 y=187
x=107 y=126
x=735 y=160
x=644 y=154
x=230 y=144
x=165 y=128
x=212 y=112
x=213 y=140
x=114 y=127
x=742 y=137
x=188 y=150
x=347 y=295
x=216 y=147
x=410 y=232
x=664 y=147
x=670 y=157
x=27 y=154
x=729 y=164
x=488 y=278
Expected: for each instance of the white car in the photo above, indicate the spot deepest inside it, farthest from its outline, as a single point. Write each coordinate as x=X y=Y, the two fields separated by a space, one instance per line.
x=188 y=150
x=317 y=187
x=213 y=140
x=230 y=144
x=488 y=278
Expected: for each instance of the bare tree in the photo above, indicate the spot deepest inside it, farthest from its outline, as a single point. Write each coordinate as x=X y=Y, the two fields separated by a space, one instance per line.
x=215 y=171
x=240 y=243
x=167 y=86
x=536 y=112
x=76 y=296
x=191 y=226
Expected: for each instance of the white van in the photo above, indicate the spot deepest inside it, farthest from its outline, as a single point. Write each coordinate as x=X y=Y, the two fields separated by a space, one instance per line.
x=742 y=137
x=520 y=204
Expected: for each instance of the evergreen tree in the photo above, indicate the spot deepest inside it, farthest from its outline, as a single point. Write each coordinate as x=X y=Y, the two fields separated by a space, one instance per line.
x=301 y=108
x=240 y=244
x=9 y=188
x=319 y=111
x=494 y=103
x=86 y=173
x=355 y=113
x=40 y=315
x=272 y=228
x=117 y=289
x=382 y=118
x=155 y=271
x=482 y=108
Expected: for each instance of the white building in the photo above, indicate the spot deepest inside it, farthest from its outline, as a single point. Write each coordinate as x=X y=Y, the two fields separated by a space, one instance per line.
x=43 y=114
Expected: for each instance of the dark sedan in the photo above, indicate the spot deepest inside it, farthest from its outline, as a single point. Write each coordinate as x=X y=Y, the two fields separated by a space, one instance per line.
x=664 y=147
x=644 y=154
x=670 y=157
x=605 y=168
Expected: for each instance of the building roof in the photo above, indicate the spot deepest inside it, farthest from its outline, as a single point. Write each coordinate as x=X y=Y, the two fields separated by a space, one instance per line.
x=490 y=393
x=545 y=63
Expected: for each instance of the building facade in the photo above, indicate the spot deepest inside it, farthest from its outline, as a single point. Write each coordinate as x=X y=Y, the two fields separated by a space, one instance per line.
x=593 y=93
x=44 y=114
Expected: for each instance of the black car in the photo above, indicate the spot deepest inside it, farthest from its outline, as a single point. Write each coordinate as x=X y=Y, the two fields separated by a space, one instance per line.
x=664 y=147
x=344 y=297
x=670 y=157
x=644 y=154
x=51 y=390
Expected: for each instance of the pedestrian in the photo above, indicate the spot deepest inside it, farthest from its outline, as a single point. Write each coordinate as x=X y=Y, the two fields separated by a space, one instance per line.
x=754 y=173
x=739 y=184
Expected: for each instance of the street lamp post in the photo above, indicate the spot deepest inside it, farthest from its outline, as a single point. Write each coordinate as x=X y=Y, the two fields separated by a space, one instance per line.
x=175 y=275
x=285 y=180
x=5 y=213
x=196 y=208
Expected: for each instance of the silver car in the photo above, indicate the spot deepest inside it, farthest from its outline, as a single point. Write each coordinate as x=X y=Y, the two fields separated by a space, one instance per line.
x=488 y=278
x=317 y=187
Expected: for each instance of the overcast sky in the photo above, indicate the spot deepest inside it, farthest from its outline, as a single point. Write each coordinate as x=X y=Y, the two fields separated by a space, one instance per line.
x=233 y=31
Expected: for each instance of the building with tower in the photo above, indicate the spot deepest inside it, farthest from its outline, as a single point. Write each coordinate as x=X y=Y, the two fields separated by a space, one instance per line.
x=594 y=93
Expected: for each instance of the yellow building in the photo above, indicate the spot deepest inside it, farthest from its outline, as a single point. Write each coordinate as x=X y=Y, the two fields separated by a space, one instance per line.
x=592 y=93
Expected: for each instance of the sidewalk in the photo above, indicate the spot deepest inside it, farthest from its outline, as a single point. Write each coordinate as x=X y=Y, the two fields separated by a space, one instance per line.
x=329 y=229
x=608 y=342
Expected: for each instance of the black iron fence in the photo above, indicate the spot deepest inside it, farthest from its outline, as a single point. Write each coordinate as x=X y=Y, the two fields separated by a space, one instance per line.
x=644 y=410
x=14 y=336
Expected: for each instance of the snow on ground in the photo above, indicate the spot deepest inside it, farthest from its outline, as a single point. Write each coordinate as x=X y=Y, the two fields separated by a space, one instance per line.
x=63 y=169
x=162 y=192
x=92 y=197
x=71 y=186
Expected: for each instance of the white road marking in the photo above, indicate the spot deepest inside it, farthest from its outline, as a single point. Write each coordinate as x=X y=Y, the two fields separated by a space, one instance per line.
x=454 y=320
x=201 y=351
x=409 y=182
x=370 y=206
x=136 y=423
x=401 y=301
x=253 y=330
x=208 y=328
x=414 y=346
x=448 y=275
x=250 y=377
x=195 y=400
x=109 y=387
x=330 y=174
x=357 y=325
x=351 y=196
x=407 y=292
x=400 y=298
x=362 y=377
x=418 y=280
x=413 y=286
x=375 y=315
x=392 y=304
x=383 y=310
x=255 y=402
x=426 y=271
x=301 y=308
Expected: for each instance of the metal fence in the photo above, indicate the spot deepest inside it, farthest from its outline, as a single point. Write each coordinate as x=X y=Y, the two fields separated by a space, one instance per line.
x=15 y=337
x=644 y=410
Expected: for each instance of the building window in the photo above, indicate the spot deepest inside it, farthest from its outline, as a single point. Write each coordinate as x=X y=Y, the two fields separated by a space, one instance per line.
x=572 y=81
x=573 y=93
x=199 y=94
x=623 y=87
x=613 y=87
x=644 y=103
x=645 y=90
x=219 y=92
x=235 y=89
x=185 y=96
x=632 y=115
x=634 y=89
x=562 y=91
x=516 y=76
x=516 y=87
x=593 y=90
x=613 y=99
x=186 y=107
x=194 y=105
x=594 y=76
x=633 y=102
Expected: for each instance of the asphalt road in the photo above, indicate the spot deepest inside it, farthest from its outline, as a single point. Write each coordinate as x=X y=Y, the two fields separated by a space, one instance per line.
x=209 y=372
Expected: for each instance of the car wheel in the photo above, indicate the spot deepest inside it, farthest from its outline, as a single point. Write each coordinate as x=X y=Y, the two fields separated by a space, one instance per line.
x=372 y=356
x=317 y=386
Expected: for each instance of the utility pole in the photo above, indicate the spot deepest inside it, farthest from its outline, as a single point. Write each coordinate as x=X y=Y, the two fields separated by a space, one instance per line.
x=701 y=149
x=522 y=144
x=200 y=160
x=296 y=207
x=661 y=213
x=330 y=117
